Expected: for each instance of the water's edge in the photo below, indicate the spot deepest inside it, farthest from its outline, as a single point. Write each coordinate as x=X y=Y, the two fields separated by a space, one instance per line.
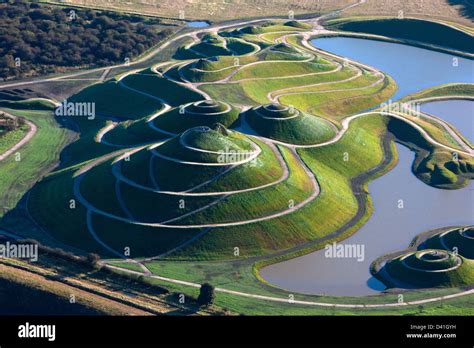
x=390 y=228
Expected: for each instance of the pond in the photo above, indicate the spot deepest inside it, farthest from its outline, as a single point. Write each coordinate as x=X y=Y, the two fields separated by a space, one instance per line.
x=197 y=24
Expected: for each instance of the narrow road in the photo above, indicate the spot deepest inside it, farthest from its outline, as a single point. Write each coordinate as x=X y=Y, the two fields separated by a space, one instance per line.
x=29 y=135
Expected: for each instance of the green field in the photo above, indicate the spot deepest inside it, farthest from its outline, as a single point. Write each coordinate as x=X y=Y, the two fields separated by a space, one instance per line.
x=17 y=176
x=10 y=138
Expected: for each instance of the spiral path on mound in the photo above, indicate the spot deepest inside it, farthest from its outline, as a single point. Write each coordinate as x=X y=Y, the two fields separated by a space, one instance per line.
x=460 y=240
x=196 y=136
x=431 y=261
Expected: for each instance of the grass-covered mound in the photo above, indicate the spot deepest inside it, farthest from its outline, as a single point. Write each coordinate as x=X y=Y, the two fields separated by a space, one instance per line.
x=268 y=27
x=239 y=47
x=174 y=176
x=456 y=89
x=460 y=240
x=210 y=69
x=109 y=189
x=276 y=69
x=298 y=24
x=251 y=29
x=289 y=125
x=112 y=100
x=213 y=45
x=283 y=51
x=129 y=133
x=208 y=146
x=201 y=113
x=430 y=268
x=441 y=169
x=434 y=166
x=207 y=69
x=264 y=202
x=172 y=93
x=175 y=121
x=410 y=29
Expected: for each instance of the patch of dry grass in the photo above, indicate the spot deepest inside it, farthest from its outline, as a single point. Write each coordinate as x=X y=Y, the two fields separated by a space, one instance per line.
x=460 y=11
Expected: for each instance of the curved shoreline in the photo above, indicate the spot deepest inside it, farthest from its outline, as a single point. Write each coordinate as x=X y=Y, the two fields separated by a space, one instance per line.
x=374 y=37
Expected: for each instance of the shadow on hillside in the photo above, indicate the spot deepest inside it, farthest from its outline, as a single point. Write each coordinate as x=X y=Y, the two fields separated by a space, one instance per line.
x=466 y=7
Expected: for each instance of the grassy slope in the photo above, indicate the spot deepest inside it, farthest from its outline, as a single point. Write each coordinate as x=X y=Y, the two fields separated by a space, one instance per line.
x=27 y=104
x=276 y=69
x=263 y=202
x=54 y=194
x=112 y=100
x=175 y=122
x=258 y=90
x=434 y=166
x=304 y=129
x=9 y=139
x=165 y=89
x=18 y=177
x=434 y=129
x=264 y=169
x=337 y=105
x=443 y=90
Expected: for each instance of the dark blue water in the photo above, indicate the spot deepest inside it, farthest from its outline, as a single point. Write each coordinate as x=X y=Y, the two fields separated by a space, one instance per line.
x=412 y=68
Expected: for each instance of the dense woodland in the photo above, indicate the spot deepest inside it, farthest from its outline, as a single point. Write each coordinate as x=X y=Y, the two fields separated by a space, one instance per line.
x=45 y=39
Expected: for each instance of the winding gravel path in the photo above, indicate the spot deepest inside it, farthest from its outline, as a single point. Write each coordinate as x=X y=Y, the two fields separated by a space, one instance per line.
x=32 y=129
x=299 y=302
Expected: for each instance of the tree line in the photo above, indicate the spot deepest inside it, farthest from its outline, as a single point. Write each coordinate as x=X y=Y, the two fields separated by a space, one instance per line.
x=38 y=39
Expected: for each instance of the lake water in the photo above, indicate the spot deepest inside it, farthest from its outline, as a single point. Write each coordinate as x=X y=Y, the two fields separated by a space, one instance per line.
x=390 y=228
x=412 y=68
x=459 y=113
x=198 y=24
